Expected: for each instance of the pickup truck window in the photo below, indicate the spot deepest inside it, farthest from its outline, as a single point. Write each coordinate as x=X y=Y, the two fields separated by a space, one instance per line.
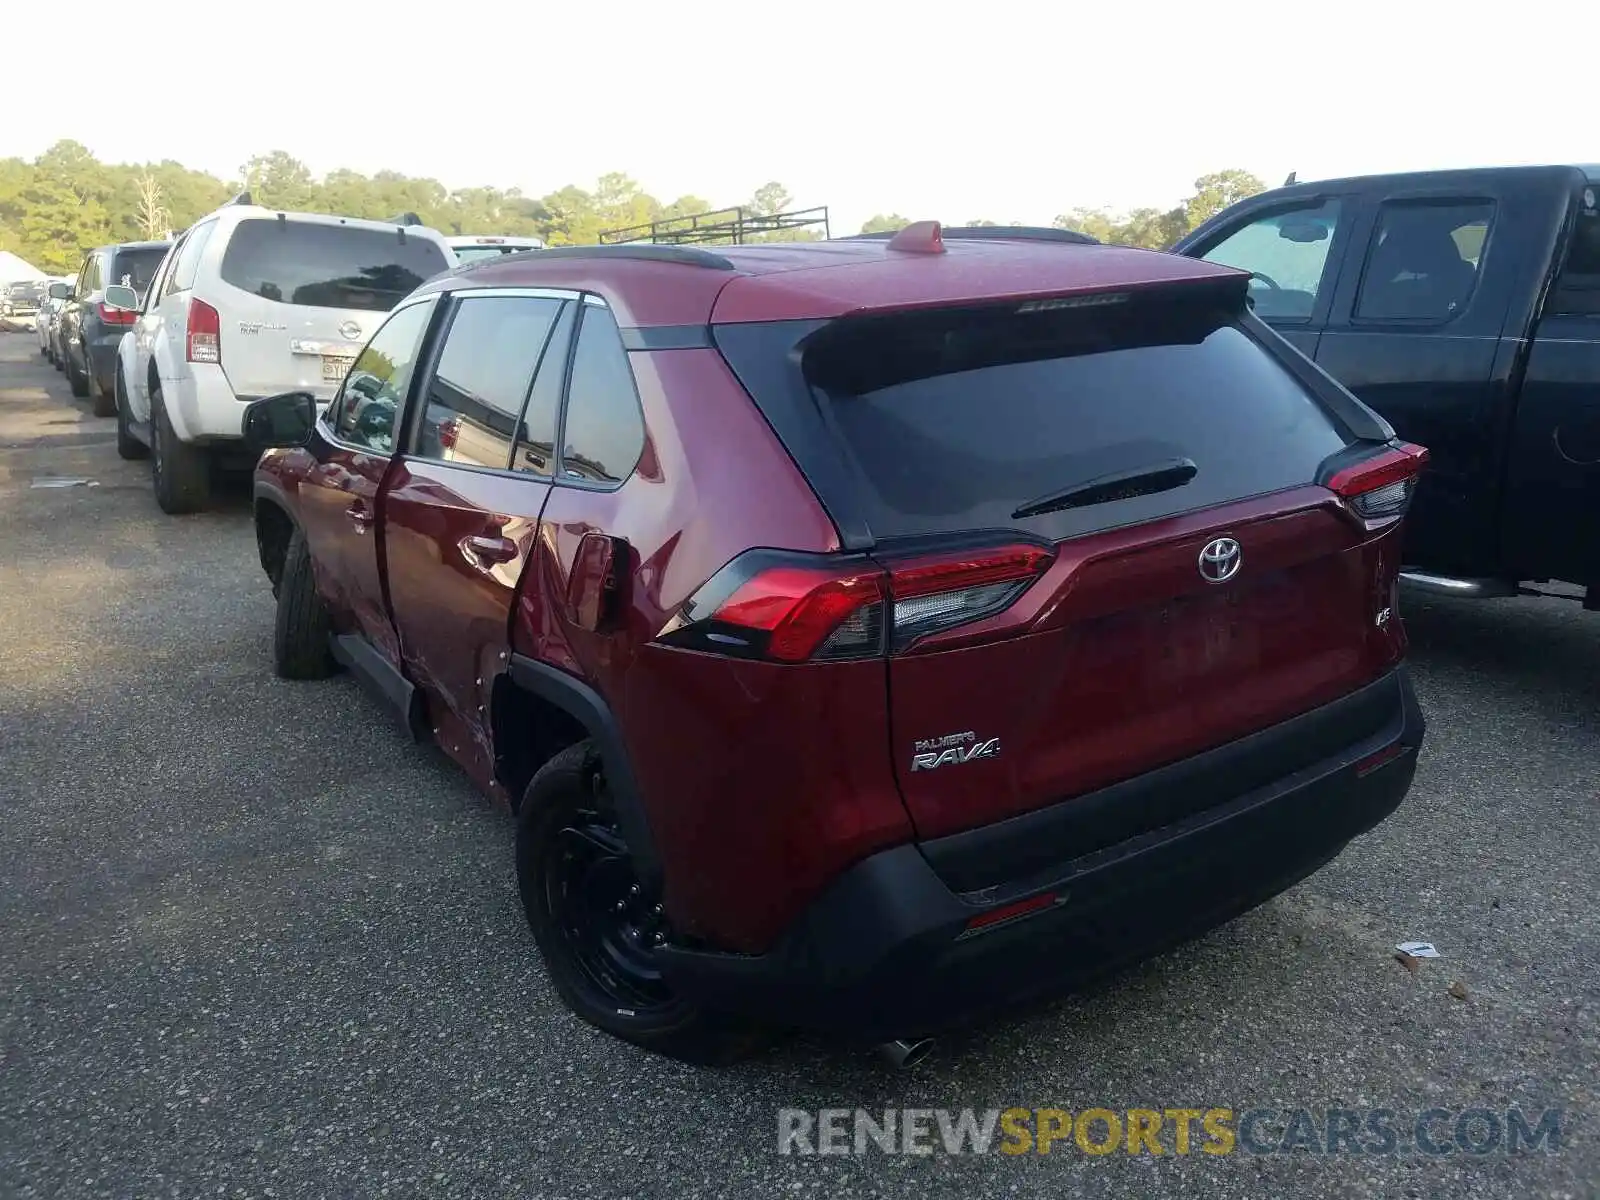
x=1577 y=290
x=1286 y=253
x=1423 y=261
x=476 y=395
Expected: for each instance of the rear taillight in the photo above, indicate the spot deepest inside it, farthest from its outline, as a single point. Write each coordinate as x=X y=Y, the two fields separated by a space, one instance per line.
x=1381 y=487
x=116 y=316
x=204 y=343
x=799 y=608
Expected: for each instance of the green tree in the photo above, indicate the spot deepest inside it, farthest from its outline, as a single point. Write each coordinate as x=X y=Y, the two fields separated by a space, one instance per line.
x=885 y=223
x=278 y=180
x=1215 y=192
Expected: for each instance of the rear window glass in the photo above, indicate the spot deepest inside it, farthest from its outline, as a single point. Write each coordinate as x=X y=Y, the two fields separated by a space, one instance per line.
x=136 y=268
x=473 y=253
x=328 y=266
x=958 y=420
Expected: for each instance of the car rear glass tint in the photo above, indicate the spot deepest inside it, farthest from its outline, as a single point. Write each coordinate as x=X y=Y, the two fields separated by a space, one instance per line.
x=136 y=268
x=328 y=266
x=956 y=420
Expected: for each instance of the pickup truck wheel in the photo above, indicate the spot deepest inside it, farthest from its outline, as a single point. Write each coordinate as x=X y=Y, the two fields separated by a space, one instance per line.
x=300 y=634
x=595 y=926
x=181 y=473
x=128 y=446
x=79 y=384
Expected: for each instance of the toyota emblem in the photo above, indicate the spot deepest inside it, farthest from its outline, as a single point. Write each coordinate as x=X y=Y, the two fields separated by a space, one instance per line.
x=350 y=331
x=1220 y=560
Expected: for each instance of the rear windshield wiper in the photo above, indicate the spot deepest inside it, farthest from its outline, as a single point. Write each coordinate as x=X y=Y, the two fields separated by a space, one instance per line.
x=1122 y=485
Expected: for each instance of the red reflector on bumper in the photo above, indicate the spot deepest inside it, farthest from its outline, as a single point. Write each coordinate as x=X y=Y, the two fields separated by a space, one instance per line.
x=1006 y=912
x=1372 y=762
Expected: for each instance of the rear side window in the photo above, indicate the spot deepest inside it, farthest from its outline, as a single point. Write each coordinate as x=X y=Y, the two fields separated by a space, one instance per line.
x=328 y=266
x=136 y=268
x=1577 y=290
x=1062 y=421
x=1423 y=261
x=183 y=271
x=603 y=434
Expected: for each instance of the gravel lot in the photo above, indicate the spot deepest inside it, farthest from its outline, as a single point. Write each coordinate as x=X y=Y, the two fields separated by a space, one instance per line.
x=253 y=944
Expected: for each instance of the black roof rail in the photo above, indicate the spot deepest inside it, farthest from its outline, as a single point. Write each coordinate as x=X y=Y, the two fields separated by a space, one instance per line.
x=977 y=233
x=405 y=218
x=683 y=256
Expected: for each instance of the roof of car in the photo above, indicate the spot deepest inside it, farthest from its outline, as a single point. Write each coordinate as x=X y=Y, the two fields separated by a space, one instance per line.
x=1442 y=177
x=137 y=246
x=651 y=286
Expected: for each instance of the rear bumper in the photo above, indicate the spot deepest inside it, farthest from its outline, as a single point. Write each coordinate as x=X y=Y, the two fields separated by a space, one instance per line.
x=886 y=951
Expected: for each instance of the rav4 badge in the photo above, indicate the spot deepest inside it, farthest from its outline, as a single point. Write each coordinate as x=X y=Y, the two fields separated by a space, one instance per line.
x=952 y=748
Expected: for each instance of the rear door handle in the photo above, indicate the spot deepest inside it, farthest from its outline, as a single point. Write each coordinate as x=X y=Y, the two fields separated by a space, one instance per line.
x=490 y=548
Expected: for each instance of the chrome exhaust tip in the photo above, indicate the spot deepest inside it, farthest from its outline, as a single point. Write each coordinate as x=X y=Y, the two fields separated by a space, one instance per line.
x=903 y=1055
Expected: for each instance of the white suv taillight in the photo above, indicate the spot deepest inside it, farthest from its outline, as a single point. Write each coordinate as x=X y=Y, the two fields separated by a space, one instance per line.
x=204 y=343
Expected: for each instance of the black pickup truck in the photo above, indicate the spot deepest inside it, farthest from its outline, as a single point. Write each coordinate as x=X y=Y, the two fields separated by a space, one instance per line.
x=1464 y=306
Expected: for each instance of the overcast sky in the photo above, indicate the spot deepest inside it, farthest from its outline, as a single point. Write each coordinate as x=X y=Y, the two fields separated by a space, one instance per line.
x=994 y=110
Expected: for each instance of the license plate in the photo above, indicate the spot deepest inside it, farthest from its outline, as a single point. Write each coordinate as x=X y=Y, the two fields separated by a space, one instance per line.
x=336 y=368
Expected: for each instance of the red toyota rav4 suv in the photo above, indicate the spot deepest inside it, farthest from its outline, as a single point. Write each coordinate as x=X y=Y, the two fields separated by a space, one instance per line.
x=866 y=633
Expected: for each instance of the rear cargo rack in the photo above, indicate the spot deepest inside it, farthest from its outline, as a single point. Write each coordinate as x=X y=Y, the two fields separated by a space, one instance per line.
x=976 y=233
x=722 y=225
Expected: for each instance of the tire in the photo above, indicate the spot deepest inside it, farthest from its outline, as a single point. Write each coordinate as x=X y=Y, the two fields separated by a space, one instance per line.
x=104 y=403
x=128 y=446
x=181 y=473
x=300 y=633
x=79 y=384
x=598 y=954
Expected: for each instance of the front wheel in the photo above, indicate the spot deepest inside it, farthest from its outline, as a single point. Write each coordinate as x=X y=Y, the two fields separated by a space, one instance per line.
x=596 y=926
x=300 y=632
x=128 y=446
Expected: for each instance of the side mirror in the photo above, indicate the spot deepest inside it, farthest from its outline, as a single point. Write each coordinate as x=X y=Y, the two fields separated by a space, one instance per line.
x=61 y=291
x=121 y=296
x=279 y=421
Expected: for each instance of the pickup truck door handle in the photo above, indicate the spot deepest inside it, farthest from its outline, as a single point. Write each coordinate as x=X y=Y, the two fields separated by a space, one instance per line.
x=489 y=548
x=360 y=515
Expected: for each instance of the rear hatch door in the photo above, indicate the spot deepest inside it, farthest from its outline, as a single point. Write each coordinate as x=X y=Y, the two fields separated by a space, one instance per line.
x=303 y=295
x=1147 y=467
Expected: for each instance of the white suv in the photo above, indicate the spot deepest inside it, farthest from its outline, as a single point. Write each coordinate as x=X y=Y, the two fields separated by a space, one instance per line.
x=251 y=302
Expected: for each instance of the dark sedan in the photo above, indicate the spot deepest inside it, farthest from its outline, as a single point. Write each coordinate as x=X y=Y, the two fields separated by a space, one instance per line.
x=90 y=331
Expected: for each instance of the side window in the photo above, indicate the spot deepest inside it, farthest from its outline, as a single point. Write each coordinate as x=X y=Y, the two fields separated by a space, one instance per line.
x=91 y=274
x=1286 y=254
x=475 y=396
x=181 y=277
x=1577 y=290
x=158 y=285
x=374 y=392
x=1423 y=260
x=80 y=289
x=603 y=434
x=536 y=439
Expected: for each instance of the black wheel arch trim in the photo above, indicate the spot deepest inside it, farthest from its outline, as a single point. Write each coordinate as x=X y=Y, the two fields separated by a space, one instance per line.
x=586 y=706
